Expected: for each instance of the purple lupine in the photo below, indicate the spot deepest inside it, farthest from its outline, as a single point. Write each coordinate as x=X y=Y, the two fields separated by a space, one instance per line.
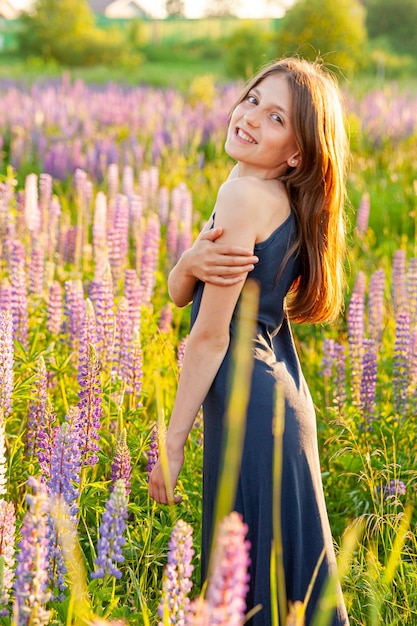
x=46 y=439
x=121 y=465
x=136 y=214
x=7 y=550
x=37 y=270
x=165 y=319
x=376 y=305
x=31 y=575
x=172 y=238
x=19 y=294
x=327 y=362
x=339 y=392
x=64 y=484
x=413 y=369
x=74 y=308
x=400 y=370
x=181 y=352
x=133 y=292
x=88 y=335
x=176 y=581
x=150 y=256
x=399 y=294
x=153 y=452
x=393 y=489
x=113 y=181
x=117 y=238
x=112 y=540
x=368 y=382
x=134 y=375
x=6 y=363
x=105 y=316
x=124 y=334
x=228 y=579
x=55 y=310
x=37 y=407
x=356 y=333
x=65 y=469
x=5 y=296
x=90 y=410
x=412 y=290
x=362 y=219
x=53 y=224
x=144 y=184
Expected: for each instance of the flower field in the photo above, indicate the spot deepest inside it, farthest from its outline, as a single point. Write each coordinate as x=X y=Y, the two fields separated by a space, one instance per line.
x=101 y=190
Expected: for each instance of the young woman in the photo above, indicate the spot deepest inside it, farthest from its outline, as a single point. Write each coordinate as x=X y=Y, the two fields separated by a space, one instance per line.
x=278 y=216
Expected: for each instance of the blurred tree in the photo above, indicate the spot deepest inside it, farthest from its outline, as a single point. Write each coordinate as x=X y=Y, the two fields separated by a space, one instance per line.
x=334 y=31
x=245 y=51
x=65 y=32
x=175 y=8
x=222 y=8
x=396 y=22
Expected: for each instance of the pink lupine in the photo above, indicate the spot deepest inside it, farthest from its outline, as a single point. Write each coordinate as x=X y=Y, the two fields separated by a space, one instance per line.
x=356 y=334
x=37 y=408
x=37 y=270
x=6 y=363
x=32 y=212
x=150 y=257
x=100 y=248
x=376 y=305
x=7 y=551
x=362 y=219
x=105 y=316
x=133 y=292
x=55 y=312
x=19 y=294
x=74 y=308
x=121 y=465
x=399 y=292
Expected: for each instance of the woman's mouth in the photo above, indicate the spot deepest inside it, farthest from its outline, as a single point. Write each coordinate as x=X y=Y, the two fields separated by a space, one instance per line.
x=242 y=135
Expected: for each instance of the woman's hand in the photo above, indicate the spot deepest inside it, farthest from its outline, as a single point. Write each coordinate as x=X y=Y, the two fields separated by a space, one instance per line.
x=219 y=263
x=157 y=486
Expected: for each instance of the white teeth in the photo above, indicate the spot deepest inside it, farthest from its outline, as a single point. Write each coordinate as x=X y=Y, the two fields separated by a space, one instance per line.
x=241 y=133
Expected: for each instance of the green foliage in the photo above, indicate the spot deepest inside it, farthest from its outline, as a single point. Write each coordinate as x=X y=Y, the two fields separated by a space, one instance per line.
x=245 y=51
x=331 y=30
x=175 y=8
x=65 y=32
x=396 y=22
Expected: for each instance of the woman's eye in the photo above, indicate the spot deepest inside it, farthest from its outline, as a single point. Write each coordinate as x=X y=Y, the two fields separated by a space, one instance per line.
x=252 y=99
x=277 y=118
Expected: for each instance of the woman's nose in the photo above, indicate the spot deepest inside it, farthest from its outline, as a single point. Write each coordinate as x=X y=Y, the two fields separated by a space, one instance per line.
x=251 y=118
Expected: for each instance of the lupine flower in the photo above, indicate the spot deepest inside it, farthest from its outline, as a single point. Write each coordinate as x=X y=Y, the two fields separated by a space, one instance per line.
x=133 y=292
x=128 y=181
x=118 y=237
x=100 y=250
x=53 y=217
x=121 y=467
x=6 y=362
x=399 y=294
x=55 y=311
x=150 y=255
x=64 y=478
x=412 y=290
x=176 y=581
x=153 y=452
x=112 y=540
x=401 y=362
x=37 y=270
x=368 y=383
x=105 y=317
x=32 y=213
x=37 y=405
x=363 y=214
x=327 y=362
x=19 y=294
x=394 y=488
x=74 y=308
x=172 y=238
x=356 y=333
x=228 y=579
x=5 y=296
x=376 y=305
x=121 y=354
x=90 y=410
x=136 y=214
x=163 y=205
x=31 y=576
x=134 y=376
x=3 y=459
x=7 y=542
x=46 y=438
x=113 y=180
x=339 y=392
x=88 y=335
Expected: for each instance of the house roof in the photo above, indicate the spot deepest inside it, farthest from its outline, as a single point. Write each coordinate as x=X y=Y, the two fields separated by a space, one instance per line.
x=118 y=8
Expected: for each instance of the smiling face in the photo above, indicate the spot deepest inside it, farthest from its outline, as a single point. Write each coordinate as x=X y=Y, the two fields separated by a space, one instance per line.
x=260 y=136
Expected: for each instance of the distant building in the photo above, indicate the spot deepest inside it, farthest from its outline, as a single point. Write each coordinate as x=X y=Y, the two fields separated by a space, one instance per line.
x=118 y=9
x=8 y=11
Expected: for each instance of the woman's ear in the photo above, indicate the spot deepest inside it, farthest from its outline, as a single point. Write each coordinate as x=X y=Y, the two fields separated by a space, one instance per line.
x=294 y=161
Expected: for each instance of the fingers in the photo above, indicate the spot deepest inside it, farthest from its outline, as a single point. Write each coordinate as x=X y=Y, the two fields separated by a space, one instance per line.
x=212 y=234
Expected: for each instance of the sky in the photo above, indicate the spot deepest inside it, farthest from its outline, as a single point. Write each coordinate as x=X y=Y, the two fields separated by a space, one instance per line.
x=197 y=8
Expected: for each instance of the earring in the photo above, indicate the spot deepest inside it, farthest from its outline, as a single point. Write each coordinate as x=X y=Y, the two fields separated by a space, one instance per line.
x=293 y=162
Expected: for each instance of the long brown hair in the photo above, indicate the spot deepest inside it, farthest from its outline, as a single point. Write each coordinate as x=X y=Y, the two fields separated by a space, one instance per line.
x=316 y=187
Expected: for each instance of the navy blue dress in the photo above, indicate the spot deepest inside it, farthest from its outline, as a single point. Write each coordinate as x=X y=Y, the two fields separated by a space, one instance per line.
x=305 y=526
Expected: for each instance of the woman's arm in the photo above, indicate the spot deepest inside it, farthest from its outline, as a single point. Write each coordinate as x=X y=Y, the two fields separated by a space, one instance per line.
x=207 y=343
x=210 y=260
